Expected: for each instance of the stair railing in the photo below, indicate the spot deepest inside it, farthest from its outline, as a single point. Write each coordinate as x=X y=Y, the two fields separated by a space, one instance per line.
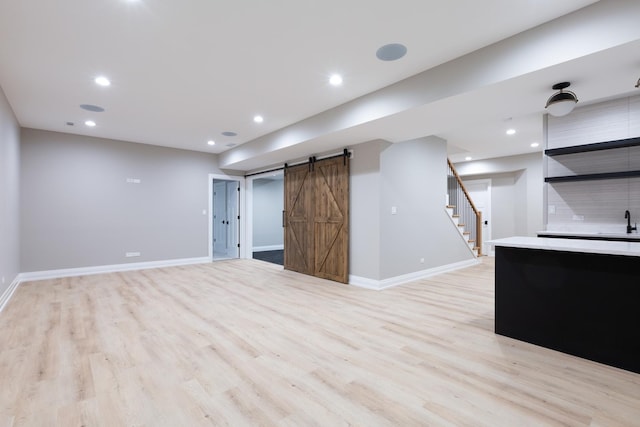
x=464 y=208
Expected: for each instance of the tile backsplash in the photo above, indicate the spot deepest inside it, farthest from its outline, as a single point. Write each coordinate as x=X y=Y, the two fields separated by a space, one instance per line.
x=595 y=206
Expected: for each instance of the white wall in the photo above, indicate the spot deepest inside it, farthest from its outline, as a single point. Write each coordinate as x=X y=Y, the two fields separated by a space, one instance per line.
x=516 y=194
x=268 y=203
x=78 y=210
x=9 y=196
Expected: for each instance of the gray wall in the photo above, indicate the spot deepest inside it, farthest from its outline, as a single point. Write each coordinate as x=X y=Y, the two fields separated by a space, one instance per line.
x=268 y=203
x=516 y=193
x=364 y=210
x=413 y=179
x=78 y=209
x=9 y=195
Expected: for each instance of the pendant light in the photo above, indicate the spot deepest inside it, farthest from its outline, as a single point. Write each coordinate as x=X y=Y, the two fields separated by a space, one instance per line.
x=562 y=102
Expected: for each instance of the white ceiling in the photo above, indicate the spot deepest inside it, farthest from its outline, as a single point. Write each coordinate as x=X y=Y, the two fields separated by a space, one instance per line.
x=184 y=71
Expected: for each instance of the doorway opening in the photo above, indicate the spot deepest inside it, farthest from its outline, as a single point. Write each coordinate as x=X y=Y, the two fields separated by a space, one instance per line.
x=267 y=207
x=480 y=193
x=225 y=219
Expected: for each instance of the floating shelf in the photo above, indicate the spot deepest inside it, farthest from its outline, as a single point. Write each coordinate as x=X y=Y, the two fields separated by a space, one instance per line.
x=593 y=176
x=598 y=146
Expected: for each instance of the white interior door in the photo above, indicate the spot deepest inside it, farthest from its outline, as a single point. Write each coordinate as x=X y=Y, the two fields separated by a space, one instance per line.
x=219 y=219
x=233 y=221
x=226 y=223
x=480 y=193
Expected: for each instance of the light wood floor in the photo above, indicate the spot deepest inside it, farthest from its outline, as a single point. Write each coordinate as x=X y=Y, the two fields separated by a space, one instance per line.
x=242 y=342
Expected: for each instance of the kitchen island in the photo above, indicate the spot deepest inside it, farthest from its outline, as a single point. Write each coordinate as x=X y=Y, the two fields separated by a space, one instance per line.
x=580 y=297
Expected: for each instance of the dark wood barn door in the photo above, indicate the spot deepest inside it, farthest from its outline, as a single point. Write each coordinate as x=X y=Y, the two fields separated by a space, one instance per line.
x=317 y=219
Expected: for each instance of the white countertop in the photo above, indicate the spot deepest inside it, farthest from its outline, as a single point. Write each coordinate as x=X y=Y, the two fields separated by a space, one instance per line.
x=634 y=235
x=571 y=245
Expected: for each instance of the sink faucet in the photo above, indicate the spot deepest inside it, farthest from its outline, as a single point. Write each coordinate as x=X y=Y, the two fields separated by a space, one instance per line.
x=627 y=216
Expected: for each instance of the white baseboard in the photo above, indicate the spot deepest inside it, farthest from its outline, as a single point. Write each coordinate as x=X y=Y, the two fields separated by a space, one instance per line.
x=363 y=282
x=268 y=248
x=6 y=295
x=82 y=271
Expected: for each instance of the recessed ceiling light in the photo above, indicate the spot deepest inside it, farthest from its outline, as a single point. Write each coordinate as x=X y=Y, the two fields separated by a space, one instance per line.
x=90 y=123
x=102 y=81
x=211 y=142
x=535 y=144
x=391 y=52
x=335 y=80
x=468 y=158
x=258 y=119
x=511 y=131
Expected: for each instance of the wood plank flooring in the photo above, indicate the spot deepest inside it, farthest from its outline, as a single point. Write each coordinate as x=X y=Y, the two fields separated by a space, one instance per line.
x=242 y=342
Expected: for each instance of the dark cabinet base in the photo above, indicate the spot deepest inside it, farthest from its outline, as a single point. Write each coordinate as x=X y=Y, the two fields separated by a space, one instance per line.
x=583 y=304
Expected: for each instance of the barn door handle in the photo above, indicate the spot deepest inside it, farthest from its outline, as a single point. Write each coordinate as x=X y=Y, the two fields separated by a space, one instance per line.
x=283 y=222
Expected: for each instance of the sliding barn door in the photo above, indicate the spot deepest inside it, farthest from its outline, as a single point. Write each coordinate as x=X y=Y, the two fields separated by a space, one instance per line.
x=298 y=195
x=331 y=219
x=317 y=219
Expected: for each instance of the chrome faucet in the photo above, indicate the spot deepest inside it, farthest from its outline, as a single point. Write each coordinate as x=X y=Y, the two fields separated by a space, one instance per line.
x=627 y=216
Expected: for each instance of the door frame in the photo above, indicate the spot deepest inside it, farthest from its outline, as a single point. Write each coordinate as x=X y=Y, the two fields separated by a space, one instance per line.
x=249 y=214
x=242 y=212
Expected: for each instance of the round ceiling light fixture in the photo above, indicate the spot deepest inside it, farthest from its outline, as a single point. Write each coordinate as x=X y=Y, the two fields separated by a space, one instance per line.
x=562 y=102
x=229 y=133
x=391 y=52
x=258 y=119
x=211 y=142
x=511 y=132
x=90 y=123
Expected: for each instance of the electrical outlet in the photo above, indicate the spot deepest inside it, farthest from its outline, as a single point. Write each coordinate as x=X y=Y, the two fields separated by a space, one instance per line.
x=3 y=280
x=131 y=254
x=134 y=180
x=578 y=217
x=421 y=260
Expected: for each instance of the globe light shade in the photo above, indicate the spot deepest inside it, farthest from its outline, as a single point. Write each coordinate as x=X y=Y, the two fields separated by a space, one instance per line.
x=563 y=102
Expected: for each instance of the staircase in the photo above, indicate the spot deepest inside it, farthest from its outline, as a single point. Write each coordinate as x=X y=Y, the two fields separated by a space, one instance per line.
x=466 y=235
x=462 y=211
